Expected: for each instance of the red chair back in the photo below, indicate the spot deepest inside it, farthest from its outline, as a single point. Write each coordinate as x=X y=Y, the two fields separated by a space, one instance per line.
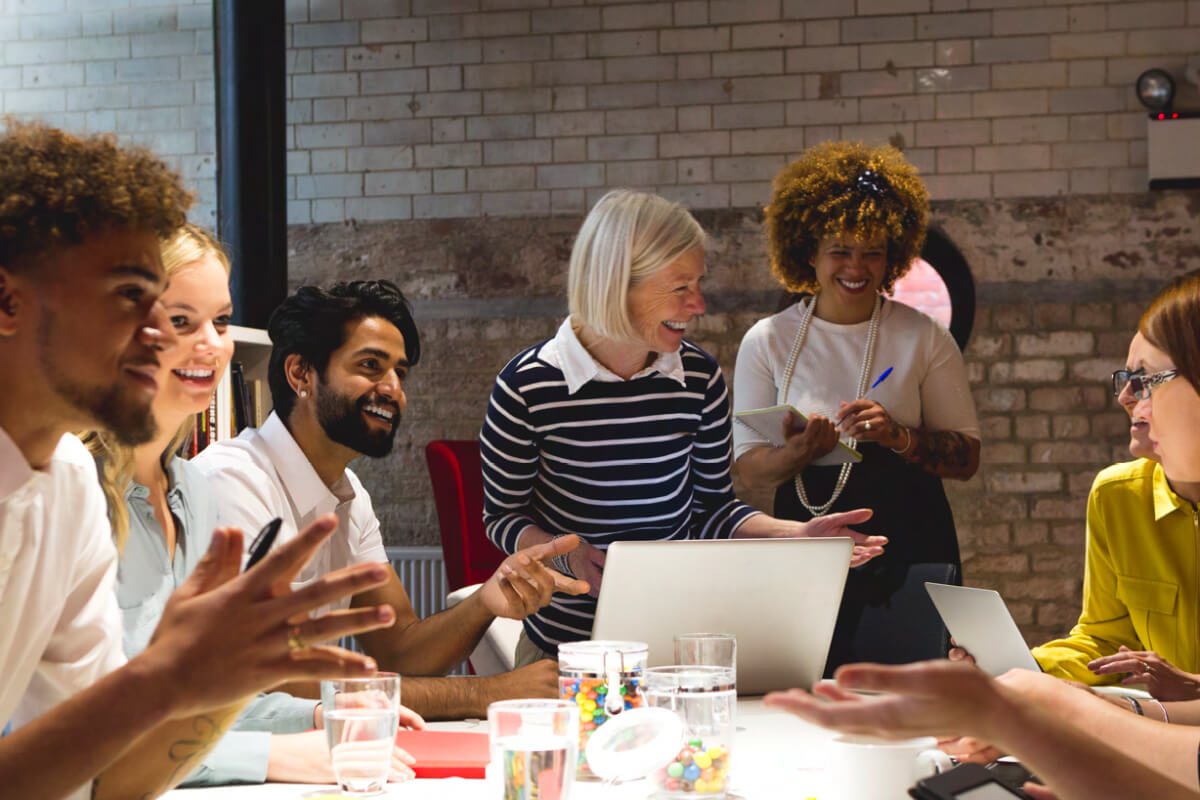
x=457 y=475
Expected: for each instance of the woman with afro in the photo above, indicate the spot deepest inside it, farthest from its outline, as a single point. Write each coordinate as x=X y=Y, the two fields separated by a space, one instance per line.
x=844 y=223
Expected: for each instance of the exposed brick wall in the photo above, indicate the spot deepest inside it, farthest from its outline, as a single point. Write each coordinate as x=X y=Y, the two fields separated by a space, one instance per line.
x=1060 y=286
x=464 y=108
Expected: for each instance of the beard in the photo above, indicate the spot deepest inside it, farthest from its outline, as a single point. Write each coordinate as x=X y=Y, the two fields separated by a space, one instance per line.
x=111 y=407
x=341 y=417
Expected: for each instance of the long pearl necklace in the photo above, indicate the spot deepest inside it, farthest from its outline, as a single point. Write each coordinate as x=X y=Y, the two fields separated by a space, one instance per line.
x=863 y=376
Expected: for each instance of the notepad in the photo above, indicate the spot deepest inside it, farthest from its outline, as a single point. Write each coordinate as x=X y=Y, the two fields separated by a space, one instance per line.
x=446 y=754
x=768 y=423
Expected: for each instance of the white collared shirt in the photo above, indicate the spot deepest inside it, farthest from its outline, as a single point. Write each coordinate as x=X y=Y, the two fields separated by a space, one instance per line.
x=566 y=352
x=61 y=628
x=263 y=474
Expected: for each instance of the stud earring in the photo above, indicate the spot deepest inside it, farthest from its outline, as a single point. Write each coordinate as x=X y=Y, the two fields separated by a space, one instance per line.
x=304 y=393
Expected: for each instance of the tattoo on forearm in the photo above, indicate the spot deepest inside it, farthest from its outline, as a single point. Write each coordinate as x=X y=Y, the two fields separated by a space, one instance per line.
x=8 y=303
x=942 y=452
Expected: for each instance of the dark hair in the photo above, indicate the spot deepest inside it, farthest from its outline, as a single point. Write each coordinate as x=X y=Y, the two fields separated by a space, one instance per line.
x=57 y=189
x=312 y=324
x=1171 y=323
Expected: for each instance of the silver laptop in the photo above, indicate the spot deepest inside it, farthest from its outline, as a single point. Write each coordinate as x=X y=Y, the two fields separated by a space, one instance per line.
x=979 y=622
x=780 y=597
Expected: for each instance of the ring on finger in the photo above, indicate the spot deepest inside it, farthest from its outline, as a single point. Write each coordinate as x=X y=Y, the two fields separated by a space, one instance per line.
x=868 y=425
x=295 y=641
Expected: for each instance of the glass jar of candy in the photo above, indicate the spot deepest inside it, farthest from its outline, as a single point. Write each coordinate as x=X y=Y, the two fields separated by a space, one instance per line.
x=705 y=700
x=604 y=678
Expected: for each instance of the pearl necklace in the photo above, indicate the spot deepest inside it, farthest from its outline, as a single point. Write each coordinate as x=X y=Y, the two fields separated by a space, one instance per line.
x=863 y=375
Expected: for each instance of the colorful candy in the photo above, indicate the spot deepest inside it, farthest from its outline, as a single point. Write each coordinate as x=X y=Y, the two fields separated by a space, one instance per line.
x=590 y=692
x=696 y=769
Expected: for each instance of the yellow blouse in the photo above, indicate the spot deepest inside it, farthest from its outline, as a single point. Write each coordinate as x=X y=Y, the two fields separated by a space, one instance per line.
x=1141 y=585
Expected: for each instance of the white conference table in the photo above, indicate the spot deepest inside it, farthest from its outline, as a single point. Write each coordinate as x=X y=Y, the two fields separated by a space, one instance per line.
x=775 y=755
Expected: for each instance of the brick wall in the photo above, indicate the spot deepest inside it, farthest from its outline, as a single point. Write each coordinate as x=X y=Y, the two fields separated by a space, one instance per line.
x=1060 y=285
x=461 y=108
x=141 y=69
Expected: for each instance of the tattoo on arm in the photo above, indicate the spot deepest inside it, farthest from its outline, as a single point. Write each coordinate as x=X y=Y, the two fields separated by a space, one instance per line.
x=8 y=303
x=946 y=454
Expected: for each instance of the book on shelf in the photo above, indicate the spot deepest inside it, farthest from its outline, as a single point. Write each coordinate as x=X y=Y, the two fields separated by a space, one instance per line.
x=237 y=403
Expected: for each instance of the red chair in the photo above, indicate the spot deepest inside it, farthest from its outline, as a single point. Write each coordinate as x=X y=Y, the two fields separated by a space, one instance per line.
x=457 y=475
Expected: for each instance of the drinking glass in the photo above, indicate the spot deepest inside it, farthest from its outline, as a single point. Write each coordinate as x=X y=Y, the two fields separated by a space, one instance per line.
x=533 y=747
x=707 y=649
x=361 y=718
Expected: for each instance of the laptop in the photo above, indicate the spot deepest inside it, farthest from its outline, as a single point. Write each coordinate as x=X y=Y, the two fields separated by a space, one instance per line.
x=979 y=622
x=780 y=597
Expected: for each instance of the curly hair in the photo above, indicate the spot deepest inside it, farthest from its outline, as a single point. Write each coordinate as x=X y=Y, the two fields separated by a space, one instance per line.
x=312 y=323
x=838 y=188
x=57 y=189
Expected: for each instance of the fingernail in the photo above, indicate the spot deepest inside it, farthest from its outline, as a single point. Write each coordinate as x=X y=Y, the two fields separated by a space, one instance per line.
x=377 y=573
x=383 y=613
x=369 y=665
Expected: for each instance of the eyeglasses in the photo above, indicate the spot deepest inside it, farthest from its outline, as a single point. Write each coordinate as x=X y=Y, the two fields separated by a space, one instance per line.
x=1139 y=382
x=1122 y=377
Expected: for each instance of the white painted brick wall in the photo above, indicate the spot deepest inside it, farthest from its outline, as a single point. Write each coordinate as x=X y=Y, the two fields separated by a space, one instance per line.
x=423 y=108
x=140 y=69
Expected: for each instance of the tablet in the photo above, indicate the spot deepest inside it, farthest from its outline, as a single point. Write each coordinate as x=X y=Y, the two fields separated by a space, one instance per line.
x=979 y=622
x=768 y=423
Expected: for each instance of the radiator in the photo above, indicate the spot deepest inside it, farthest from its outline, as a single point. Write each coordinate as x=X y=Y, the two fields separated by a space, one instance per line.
x=423 y=575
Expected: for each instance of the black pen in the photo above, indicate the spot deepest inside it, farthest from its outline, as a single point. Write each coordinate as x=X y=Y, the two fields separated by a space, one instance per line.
x=262 y=543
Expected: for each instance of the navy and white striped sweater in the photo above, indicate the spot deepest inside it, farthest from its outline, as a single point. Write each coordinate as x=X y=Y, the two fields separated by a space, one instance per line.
x=645 y=460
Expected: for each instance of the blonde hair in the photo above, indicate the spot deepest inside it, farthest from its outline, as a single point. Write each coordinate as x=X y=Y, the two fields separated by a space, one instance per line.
x=626 y=238
x=186 y=246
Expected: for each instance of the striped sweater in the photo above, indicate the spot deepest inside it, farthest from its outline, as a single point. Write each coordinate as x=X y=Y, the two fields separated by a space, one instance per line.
x=646 y=459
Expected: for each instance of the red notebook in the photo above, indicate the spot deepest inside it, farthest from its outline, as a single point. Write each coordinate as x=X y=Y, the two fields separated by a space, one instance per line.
x=446 y=754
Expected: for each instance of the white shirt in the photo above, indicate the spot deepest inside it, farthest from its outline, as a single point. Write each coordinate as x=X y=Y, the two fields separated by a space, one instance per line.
x=928 y=384
x=566 y=352
x=263 y=474
x=61 y=629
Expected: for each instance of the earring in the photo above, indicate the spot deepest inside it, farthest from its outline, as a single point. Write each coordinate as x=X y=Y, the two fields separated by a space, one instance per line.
x=304 y=393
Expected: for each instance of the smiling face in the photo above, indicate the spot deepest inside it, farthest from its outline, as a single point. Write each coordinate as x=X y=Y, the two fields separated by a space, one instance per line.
x=96 y=319
x=661 y=306
x=1173 y=411
x=360 y=397
x=1140 y=445
x=198 y=307
x=850 y=272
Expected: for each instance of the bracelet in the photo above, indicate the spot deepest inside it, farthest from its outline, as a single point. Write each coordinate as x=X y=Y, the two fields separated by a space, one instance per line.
x=907 y=442
x=1161 y=708
x=1137 y=707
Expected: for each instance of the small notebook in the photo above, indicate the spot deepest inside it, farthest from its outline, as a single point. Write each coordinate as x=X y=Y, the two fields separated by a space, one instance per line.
x=768 y=423
x=446 y=754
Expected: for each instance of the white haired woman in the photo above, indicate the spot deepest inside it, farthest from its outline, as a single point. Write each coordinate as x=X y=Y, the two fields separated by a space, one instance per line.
x=618 y=427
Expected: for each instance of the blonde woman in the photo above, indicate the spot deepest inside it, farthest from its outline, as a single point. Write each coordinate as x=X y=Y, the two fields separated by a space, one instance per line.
x=618 y=427
x=163 y=513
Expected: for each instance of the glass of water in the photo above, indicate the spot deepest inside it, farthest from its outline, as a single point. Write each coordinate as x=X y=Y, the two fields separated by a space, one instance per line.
x=707 y=649
x=361 y=718
x=533 y=747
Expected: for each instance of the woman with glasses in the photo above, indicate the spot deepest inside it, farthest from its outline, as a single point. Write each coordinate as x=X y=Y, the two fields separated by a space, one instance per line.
x=1141 y=608
x=844 y=224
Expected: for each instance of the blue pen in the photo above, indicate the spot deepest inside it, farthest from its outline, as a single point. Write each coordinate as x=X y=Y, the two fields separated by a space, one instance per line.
x=881 y=378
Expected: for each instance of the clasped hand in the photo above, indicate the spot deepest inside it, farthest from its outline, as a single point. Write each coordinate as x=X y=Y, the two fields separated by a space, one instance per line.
x=1163 y=680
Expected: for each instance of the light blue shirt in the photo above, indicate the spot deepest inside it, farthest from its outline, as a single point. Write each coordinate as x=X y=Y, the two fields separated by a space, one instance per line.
x=146 y=578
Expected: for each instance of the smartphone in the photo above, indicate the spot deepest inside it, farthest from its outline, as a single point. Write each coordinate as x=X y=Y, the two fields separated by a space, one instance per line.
x=965 y=782
x=262 y=543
